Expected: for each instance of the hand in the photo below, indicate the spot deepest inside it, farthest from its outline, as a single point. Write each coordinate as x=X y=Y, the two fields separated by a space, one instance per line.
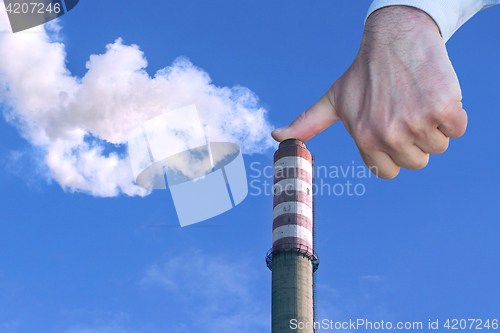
x=400 y=100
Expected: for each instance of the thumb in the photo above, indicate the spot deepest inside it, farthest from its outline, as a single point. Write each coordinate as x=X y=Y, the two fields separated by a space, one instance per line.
x=311 y=122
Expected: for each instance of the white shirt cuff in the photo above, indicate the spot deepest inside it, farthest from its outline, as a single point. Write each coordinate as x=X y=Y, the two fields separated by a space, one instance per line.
x=449 y=15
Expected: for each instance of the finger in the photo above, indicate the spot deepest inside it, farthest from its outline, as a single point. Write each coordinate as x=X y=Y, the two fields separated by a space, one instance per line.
x=311 y=122
x=453 y=121
x=434 y=142
x=380 y=163
x=410 y=157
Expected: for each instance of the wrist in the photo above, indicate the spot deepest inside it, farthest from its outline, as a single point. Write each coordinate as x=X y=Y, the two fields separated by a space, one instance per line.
x=392 y=21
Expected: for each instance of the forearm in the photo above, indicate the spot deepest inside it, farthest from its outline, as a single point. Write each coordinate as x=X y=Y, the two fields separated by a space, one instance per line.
x=449 y=15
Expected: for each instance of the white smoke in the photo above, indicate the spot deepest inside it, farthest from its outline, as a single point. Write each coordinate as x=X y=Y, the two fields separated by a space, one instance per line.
x=70 y=118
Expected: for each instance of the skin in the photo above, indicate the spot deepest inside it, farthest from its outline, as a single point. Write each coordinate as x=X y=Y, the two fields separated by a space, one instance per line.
x=400 y=99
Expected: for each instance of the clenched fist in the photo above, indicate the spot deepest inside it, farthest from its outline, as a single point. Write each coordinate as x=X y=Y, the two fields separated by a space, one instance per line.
x=400 y=99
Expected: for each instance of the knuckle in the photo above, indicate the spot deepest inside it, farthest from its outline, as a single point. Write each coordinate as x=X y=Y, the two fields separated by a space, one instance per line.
x=446 y=108
x=437 y=146
x=450 y=116
x=441 y=149
x=364 y=139
x=418 y=126
x=391 y=137
x=389 y=174
x=456 y=126
x=419 y=163
x=462 y=127
x=364 y=142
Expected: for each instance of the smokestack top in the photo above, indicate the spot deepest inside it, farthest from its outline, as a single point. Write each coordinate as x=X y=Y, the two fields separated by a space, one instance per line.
x=293 y=142
x=292 y=148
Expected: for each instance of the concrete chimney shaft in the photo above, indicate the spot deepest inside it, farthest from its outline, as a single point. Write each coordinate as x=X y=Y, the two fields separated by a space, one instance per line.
x=292 y=258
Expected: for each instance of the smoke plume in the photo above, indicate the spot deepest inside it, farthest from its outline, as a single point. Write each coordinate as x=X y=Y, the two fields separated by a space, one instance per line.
x=73 y=120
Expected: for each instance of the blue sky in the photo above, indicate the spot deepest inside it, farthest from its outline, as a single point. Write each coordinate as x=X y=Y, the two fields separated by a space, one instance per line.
x=421 y=246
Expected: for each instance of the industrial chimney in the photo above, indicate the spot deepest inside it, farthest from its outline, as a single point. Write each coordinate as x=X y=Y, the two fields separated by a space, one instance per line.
x=292 y=259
